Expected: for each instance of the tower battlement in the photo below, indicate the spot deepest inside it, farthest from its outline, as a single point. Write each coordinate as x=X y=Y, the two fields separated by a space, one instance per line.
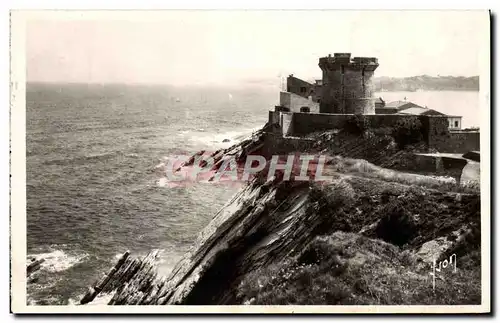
x=344 y=59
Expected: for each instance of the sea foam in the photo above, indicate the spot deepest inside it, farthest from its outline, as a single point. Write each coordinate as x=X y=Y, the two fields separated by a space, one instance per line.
x=58 y=260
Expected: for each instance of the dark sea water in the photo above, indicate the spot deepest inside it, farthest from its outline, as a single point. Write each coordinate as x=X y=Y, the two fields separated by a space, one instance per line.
x=92 y=188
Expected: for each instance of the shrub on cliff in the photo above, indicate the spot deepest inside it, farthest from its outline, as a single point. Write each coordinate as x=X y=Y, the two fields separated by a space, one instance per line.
x=407 y=131
x=348 y=269
x=356 y=124
x=397 y=225
x=332 y=202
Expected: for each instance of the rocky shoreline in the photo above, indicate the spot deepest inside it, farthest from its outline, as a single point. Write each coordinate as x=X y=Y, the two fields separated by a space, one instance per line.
x=270 y=226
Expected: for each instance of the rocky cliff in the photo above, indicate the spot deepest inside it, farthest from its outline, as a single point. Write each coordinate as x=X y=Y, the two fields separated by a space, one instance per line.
x=370 y=235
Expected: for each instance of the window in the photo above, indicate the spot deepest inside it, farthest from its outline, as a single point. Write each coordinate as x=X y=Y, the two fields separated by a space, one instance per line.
x=303 y=89
x=456 y=124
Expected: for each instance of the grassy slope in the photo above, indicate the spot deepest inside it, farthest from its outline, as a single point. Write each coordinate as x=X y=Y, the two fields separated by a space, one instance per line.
x=350 y=268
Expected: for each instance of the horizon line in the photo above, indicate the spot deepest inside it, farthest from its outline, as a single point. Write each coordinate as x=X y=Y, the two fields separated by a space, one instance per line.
x=249 y=81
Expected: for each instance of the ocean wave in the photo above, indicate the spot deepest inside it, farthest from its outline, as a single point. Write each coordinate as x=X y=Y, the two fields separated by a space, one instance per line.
x=50 y=300
x=162 y=182
x=168 y=258
x=58 y=260
x=216 y=139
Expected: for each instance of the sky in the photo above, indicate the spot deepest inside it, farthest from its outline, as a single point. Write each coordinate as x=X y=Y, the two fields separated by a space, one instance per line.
x=217 y=47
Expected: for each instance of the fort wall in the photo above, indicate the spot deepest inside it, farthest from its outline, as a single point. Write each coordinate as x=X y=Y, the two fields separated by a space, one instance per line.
x=435 y=132
x=275 y=144
x=286 y=123
x=457 y=142
x=274 y=117
x=359 y=92
x=295 y=102
x=440 y=138
x=305 y=123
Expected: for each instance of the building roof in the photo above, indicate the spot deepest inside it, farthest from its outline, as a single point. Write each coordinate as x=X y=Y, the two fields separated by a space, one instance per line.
x=395 y=104
x=401 y=104
x=407 y=107
x=414 y=110
x=417 y=110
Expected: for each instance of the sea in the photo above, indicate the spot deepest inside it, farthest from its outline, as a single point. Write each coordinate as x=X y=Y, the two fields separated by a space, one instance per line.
x=93 y=188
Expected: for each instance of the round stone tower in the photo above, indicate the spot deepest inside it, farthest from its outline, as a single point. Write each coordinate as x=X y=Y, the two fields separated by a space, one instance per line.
x=347 y=84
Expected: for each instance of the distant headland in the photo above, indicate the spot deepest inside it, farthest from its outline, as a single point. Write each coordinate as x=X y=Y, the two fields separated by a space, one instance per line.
x=398 y=84
x=426 y=83
x=381 y=83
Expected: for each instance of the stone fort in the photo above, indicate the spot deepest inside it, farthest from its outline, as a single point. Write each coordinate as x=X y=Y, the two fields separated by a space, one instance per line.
x=347 y=85
x=347 y=89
